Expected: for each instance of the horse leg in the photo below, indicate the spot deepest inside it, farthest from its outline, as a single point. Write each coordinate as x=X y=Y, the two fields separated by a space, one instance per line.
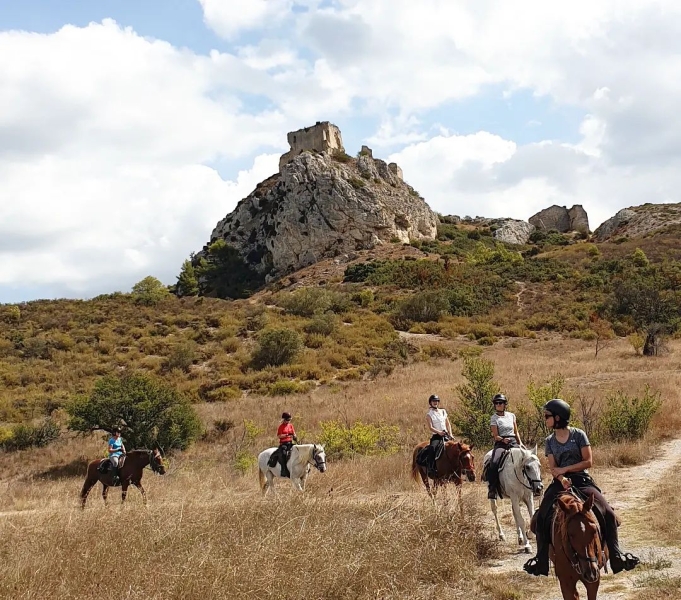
x=105 y=492
x=529 y=503
x=568 y=587
x=592 y=590
x=424 y=478
x=500 y=533
x=87 y=486
x=138 y=485
x=124 y=490
x=520 y=524
x=270 y=483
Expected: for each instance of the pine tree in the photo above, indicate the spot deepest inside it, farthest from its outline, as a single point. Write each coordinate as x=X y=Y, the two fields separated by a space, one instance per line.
x=187 y=282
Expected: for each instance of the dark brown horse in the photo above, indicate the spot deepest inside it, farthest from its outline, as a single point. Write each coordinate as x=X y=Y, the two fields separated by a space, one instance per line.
x=577 y=548
x=455 y=461
x=130 y=472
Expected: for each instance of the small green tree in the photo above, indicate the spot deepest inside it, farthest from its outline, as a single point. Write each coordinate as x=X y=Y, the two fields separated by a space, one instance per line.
x=148 y=411
x=531 y=422
x=224 y=273
x=149 y=291
x=187 y=281
x=628 y=417
x=473 y=418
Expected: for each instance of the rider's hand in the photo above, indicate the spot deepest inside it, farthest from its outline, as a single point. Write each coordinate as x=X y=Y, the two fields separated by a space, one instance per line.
x=506 y=441
x=566 y=483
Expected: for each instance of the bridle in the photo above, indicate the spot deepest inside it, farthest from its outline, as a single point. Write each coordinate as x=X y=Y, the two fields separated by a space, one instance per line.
x=465 y=471
x=152 y=463
x=319 y=462
x=525 y=476
x=574 y=557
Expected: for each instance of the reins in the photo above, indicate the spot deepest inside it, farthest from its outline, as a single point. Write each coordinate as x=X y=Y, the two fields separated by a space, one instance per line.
x=525 y=475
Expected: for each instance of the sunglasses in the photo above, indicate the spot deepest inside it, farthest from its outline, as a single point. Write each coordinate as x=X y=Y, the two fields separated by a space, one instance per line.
x=500 y=402
x=548 y=417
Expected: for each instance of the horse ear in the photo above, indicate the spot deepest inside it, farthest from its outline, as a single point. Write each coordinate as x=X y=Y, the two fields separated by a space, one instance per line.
x=534 y=450
x=567 y=504
x=471 y=446
x=588 y=505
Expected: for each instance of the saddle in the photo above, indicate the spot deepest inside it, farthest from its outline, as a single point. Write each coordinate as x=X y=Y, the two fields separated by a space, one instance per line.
x=424 y=455
x=280 y=456
x=106 y=466
x=502 y=461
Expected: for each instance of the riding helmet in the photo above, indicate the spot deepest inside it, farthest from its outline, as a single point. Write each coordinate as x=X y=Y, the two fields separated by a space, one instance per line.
x=559 y=408
x=116 y=430
x=434 y=397
x=286 y=416
x=499 y=397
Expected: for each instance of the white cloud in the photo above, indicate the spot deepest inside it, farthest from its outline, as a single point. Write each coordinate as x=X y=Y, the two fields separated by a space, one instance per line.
x=231 y=17
x=106 y=136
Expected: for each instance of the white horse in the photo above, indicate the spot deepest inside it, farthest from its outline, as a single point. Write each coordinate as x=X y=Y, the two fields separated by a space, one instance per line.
x=520 y=479
x=303 y=458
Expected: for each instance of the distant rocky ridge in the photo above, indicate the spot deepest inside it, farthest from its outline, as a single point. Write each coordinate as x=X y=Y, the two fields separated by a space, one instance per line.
x=561 y=219
x=323 y=203
x=637 y=221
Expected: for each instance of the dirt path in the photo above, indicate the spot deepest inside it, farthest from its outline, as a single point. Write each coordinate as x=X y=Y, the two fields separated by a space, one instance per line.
x=523 y=286
x=633 y=484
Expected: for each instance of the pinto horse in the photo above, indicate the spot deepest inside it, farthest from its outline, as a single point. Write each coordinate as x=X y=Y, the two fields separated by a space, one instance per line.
x=303 y=458
x=455 y=461
x=577 y=548
x=130 y=472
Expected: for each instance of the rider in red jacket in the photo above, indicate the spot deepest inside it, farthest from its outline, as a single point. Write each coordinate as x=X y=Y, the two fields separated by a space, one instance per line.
x=286 y=435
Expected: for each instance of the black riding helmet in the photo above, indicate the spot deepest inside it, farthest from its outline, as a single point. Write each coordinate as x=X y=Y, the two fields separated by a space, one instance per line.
x=559 y=408
x=499 y=398
x=434 y=398
x=286 y=416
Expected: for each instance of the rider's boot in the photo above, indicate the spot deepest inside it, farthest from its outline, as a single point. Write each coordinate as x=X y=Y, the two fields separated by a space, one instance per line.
x=620 y=561
x=539 y=565
x=492 y=482
x=284 y=469
x=114 y=476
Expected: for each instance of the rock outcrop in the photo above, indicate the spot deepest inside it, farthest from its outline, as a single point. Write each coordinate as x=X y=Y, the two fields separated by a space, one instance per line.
x=322 y=205
x=514 y=232
x=637 y=221
x=561 y=219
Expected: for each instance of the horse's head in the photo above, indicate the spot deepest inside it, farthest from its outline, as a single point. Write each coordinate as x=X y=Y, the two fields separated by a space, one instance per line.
x=532 y=470
x=156 y=461
x=581 y=537
x=467 y=461
x=319 y=457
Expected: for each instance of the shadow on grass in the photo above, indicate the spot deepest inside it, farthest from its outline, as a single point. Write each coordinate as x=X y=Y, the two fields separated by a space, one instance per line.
x=75 y=468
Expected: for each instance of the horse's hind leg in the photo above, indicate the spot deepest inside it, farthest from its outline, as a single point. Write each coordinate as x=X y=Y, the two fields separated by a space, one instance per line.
x=105 y=492
x=87 y=486
x=270 y=484
x=500 y=533
x=124 y=491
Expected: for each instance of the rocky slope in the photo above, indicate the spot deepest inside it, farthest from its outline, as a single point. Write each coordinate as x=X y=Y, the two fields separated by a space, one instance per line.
x=638 y=221
x=323 y=205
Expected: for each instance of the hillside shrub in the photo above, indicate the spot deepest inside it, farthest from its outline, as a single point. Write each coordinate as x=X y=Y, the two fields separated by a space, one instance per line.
x=276 y=347
x=423 y=307
x=187 y=281
x=324 y=324
x=223 y=272
x=181 y=357
x=23 y=436
x=531 y=422
x=628 y=417
x=366 y=439
x=307 y=302
x=149 y=412
x=475 y=396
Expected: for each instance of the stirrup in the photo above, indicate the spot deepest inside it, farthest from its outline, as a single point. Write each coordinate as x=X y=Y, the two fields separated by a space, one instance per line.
x=630 y=561
x=532 y=567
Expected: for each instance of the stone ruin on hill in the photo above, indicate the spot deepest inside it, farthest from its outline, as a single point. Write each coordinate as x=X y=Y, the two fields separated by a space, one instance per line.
x=323 y=203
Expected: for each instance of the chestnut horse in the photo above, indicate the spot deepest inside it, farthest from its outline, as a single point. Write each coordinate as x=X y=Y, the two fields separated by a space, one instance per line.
x=130 y=472
x=455 y=461
x=577 y=547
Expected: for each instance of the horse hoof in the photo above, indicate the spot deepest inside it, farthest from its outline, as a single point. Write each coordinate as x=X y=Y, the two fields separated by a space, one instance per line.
x=527 y=549
x=502 y=537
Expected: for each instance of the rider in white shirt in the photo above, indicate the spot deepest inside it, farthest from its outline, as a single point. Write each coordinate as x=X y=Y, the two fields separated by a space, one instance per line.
x=439 y=427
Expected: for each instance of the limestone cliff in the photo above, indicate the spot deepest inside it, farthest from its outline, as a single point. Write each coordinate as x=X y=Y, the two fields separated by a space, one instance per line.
x=561 y=219
x=322 y=205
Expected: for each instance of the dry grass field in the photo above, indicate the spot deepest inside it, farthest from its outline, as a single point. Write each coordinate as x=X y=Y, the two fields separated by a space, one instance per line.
x=362 y=530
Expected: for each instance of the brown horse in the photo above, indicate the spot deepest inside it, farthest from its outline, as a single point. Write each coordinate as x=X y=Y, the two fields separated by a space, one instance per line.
x=130 y=472
x=455 y=461
x=577 y=547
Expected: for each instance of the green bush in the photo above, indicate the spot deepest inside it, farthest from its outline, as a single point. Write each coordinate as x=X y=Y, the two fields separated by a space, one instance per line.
x=187 y=281
x=276 y=347
x=628 y=417
x=343 y=441
x=223 y=272
x=181 y=357
x=23 y=436
x=531 y=422
x=149 y=412
x=307 y=302
x=472 y=420
x=324 y=324
x=423 y=307
x=149 y=291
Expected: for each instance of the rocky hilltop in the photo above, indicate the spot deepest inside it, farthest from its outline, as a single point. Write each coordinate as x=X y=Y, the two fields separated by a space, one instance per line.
x=637 y=221
x=323 y=203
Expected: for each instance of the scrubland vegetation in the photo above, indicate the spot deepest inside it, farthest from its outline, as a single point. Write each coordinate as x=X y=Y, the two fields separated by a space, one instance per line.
x=355 y=361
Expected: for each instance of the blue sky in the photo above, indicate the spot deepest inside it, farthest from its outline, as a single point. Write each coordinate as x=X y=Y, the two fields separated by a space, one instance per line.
x=130 y=128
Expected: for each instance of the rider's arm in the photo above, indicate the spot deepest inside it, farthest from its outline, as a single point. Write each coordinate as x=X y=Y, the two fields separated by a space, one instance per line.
x=561 y=478
x=517 y=434
x=430 y=426
x=449 y=427
x=586 y=462
x=495 y=434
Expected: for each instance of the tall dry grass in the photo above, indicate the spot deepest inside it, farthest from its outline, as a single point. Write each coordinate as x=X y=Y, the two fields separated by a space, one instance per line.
x=364 y=529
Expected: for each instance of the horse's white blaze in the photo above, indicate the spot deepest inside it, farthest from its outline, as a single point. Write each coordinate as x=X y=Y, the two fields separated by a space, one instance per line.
x=303 y=458
x=520 y=466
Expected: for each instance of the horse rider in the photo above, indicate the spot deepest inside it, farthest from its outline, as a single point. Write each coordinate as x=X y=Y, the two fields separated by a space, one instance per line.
x=505 y=435
x=116 y=451
x=287 y=435
x=569 y=453
x=440 y=429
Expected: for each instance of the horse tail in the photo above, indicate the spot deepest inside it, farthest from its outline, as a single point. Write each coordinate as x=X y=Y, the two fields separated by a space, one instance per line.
x=415 y=469
x=261 y=479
